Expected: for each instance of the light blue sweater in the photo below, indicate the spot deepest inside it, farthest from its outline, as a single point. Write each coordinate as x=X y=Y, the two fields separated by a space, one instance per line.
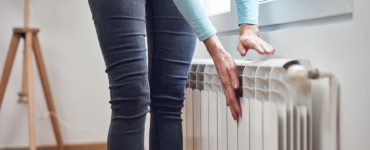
x=202 y=26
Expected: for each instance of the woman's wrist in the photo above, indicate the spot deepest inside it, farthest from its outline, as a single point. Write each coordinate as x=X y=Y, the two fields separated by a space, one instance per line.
x=247 y=29
x=214 y=46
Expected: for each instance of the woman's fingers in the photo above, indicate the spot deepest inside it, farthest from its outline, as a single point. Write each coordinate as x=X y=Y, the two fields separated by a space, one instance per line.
x=232 y=72
x=243 y=51
x=233 y=113
x=230 y=89
x=267 y=47
x=231 y=100
x=229 y=80
x=234 y=104
x=256 y=43
x=251 y=43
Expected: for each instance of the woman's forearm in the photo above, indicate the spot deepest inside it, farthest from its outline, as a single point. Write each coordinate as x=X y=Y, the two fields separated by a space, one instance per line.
x=214 y=46
x=247 y=11
x=196 y=17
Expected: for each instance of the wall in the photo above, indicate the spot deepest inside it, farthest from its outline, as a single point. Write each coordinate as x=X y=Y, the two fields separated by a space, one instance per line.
x=79 y=83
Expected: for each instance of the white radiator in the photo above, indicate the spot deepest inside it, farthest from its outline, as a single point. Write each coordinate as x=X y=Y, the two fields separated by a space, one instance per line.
x=276 y=111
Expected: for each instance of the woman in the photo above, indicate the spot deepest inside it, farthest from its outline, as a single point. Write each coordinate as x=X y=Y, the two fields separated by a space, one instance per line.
x=120 y=26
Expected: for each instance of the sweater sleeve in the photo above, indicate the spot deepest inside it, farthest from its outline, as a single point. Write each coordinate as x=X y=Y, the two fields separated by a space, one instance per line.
x=196 y=17
x=247 y=11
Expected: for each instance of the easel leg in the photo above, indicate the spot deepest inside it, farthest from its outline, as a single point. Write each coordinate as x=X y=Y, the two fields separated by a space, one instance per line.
x=23 y=96
x=31 y=96
x=8 y=65
x=47 y=91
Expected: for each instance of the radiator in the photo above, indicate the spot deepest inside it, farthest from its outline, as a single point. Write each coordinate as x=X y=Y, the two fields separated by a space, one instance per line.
x=276 y=110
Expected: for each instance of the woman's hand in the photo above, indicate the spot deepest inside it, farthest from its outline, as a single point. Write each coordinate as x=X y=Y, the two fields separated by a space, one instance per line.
x=225 y=65
x=226 y=70
x=249 y=39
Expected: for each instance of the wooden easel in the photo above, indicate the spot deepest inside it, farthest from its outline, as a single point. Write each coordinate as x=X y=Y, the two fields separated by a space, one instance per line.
x=31 y=45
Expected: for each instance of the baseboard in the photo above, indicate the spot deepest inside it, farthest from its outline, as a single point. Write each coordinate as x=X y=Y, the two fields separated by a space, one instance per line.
x=90 y=146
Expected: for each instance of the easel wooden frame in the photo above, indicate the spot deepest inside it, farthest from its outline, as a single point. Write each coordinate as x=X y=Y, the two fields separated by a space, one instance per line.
x=31 y=45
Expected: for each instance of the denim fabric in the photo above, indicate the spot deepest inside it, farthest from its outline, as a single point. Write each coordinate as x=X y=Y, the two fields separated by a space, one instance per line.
x=120 y=26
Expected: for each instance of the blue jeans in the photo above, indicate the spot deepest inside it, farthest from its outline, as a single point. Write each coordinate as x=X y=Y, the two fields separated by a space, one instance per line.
x=134 y=86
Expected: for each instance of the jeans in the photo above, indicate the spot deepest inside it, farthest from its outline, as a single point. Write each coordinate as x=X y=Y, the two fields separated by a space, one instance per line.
x=134 y=86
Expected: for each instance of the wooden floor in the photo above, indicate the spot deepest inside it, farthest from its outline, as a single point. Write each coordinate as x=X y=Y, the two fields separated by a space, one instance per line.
x=92 y=146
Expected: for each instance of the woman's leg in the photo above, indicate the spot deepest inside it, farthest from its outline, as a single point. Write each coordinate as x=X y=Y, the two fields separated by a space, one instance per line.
x=171 y=44
x=120 y=25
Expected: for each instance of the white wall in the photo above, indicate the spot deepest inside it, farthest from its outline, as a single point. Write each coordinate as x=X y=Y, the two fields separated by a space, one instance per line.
x=79 y=83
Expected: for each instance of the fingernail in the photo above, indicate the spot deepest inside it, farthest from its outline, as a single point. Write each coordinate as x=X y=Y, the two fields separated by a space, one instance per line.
x=235 y=86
